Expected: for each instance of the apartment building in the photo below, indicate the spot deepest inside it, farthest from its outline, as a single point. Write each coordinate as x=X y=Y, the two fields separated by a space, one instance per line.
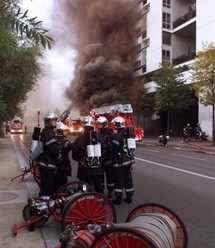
x=174 y=30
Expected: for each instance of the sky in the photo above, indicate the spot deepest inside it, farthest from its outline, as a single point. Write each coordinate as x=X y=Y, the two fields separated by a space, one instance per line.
x=62 y=61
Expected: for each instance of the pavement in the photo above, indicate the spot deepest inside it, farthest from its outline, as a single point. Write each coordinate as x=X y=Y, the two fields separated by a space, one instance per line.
x=176 y=143
x=13 y=198
x=13 y=195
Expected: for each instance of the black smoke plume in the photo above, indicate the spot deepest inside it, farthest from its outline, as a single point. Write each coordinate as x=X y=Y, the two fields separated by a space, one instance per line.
x=103 y=34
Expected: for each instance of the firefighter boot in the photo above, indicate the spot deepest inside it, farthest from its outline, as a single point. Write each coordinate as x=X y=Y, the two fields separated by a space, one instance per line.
x=110 y=194
x=117 y=201
x=128 y=199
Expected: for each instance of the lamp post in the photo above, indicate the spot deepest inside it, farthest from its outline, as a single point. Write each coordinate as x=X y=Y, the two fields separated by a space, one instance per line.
x=38 y=115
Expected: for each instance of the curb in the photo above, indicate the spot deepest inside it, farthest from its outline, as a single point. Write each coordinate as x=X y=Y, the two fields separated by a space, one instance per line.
x=182 y=146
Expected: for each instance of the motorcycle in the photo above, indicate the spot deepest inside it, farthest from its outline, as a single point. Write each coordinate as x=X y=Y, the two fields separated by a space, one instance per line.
x=163 y=139
x=201 y=136
x=204 y=136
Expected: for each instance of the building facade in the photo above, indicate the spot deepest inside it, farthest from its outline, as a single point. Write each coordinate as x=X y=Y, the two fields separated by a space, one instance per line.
x=174 y=30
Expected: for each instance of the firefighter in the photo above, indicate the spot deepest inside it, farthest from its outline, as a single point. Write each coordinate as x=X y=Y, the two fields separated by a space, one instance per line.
x=122 y=163
x=64 y=168
x=47 y=160
x=107 y=136
x=89 y=166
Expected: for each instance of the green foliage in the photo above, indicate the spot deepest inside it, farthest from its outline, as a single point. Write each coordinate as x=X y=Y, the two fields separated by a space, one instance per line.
x=21 y=42
x=139 y=98
x=7 y=42
x=203 y=75
x=171 y=94
x=12 y=19
x=3 y=107
x=18 y=74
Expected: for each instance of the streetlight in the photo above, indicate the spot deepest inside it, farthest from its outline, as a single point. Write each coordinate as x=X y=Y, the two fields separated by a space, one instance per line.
x=38 y=114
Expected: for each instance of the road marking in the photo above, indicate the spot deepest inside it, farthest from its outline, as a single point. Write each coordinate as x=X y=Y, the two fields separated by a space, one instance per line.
x=149 y=150
x=202 y=159
x=177 y=169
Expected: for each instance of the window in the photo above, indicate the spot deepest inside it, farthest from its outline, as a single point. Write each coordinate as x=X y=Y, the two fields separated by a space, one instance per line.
x=138 y=31
x=144 y=34
x=166 y=38
x=166 y=20
x=165 y=55
x=137 y=64
x=138 y=47
x=166 y=3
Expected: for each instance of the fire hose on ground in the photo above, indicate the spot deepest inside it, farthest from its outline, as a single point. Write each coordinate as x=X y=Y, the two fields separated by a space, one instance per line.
x=147 y=226
x=88 y=220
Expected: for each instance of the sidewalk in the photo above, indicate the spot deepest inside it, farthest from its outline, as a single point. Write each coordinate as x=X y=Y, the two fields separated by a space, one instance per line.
x=176 y=143
x=13 y=197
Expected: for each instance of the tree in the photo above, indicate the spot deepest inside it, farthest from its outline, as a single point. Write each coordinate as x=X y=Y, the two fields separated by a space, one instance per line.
x=22 y=42
x=171 y=93
x=18 y=74
x=13 y=21
x=141 y=101
x=203 y=77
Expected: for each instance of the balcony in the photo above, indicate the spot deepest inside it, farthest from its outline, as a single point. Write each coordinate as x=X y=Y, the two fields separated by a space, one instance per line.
x=184 y=58
x=144 y=10
x=141 y=31
x=182 y=19
x=145 y=43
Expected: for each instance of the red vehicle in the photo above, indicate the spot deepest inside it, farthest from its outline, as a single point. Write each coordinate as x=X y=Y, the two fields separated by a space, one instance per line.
x=75 y=126
x=16 y=125
x=123 y=110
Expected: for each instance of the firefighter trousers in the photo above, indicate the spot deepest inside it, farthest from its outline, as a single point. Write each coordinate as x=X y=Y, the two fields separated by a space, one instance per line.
x=123 y=180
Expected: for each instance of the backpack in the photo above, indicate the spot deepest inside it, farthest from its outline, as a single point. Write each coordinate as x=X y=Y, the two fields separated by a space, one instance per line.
x=38 y=150
x=128 y=145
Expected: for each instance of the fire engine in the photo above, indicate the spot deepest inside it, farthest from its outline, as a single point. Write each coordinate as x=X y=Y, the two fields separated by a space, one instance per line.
x=16 y=125
x=123 y=110
x=111 y=111
x=75 y=126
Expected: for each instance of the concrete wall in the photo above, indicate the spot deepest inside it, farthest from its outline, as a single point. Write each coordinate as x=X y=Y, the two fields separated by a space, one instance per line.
x=154 y=32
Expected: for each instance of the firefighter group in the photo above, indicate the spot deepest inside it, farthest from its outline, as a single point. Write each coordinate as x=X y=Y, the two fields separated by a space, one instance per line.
x=104 y=157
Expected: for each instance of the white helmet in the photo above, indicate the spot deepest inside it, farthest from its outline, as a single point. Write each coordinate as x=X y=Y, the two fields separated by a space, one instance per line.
x=118 y=122
x=102 y=121
x=61 y=126
x=48 y=117
x=88 y=121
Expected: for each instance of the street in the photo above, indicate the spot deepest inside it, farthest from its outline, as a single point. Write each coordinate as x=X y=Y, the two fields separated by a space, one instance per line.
x=184 y=182
x=180 y=180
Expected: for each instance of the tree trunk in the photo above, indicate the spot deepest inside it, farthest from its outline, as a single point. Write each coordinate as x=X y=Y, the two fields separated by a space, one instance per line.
x=168 y=122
